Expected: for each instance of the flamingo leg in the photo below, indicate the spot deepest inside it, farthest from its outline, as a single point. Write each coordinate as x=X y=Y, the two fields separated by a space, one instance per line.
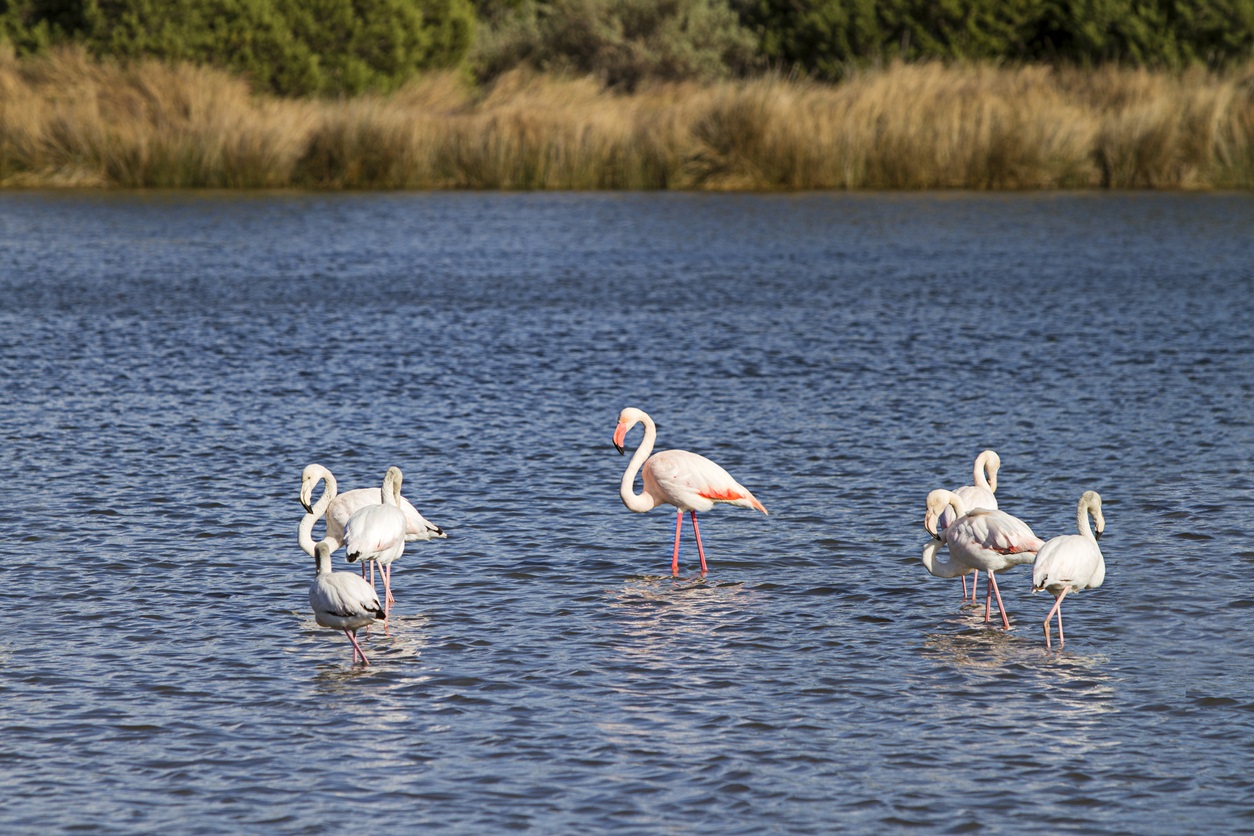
x=679 y=526
x=963 y=578
x=700 y=548
x=357 y=651
x=1057 y=609
x=992 y=582
x=975 y=582
x=386 y=573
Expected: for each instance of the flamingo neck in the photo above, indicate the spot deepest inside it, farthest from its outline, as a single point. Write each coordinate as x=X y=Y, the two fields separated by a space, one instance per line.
x=1082 y=521
x=643 y=501
x=392 y=488
x=304 y=534
x=941 y=568
x=986 y=467
x=322 y=560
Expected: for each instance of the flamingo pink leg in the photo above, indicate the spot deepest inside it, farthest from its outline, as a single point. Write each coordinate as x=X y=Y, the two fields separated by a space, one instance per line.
x=386 y=573
x=1057 y=609
x=700 y=549
x=679 y=526
x=992 y=585
x=963 y=578
x=975 y=582
x=356 y=647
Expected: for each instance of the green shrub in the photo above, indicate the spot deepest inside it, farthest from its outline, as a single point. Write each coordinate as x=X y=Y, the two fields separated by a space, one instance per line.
x=291 y=47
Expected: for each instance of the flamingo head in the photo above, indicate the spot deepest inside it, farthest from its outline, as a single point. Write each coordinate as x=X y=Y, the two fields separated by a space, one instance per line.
x=937 y=502
x=627 y=419
x=309 y=479
x=1093 y=500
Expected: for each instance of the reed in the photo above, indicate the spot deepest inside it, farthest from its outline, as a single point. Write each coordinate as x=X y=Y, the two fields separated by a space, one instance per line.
x=67 y=120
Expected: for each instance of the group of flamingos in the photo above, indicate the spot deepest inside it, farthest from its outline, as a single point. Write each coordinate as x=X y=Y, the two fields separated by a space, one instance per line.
x=374 y=524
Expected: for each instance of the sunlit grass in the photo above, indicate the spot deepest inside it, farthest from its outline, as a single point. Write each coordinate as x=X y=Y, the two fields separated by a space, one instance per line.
x=66 y=120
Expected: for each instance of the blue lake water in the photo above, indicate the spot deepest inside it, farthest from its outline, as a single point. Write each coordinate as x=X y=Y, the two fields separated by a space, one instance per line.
x=172 y=362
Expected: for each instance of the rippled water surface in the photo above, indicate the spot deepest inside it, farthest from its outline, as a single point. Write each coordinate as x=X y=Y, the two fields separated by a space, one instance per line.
x=173 y=361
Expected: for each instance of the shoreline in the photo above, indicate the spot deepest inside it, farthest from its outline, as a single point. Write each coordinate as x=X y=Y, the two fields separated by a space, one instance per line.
x=67 y=122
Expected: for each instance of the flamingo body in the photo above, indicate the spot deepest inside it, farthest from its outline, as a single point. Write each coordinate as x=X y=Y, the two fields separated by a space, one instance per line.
x=342 y=600
x=689 y=482
x=988 y=541
x=1071 y=562
x=377 y=533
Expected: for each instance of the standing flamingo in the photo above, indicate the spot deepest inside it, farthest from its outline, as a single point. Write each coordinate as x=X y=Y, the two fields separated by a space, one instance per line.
x=377 y=532
x=342 y=600
x=1071 y=562
x=986 y=540
x=339 y=508
x=979 y=495
x=690 y=482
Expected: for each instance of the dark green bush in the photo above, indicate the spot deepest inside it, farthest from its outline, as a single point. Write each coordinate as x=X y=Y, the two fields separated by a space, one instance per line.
x=827 y=37
x=291 y=47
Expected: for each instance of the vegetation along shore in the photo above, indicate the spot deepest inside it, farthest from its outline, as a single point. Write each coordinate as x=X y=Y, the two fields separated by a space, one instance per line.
x=504 y=96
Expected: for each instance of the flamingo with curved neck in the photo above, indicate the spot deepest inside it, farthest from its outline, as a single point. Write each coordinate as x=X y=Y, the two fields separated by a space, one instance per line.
x=989 y=541
x=377 y=533
x=341 y=600
x=686 y=480
x=1071 y=562
x=979 y=495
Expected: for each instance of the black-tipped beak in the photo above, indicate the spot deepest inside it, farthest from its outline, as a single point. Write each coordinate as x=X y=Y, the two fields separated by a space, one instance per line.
x=620 y=448
x=1097 y=535
x=308 y=508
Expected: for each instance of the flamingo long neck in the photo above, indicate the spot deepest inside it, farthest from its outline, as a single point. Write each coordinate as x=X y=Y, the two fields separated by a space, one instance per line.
x=304 y=534
x=1082 y=521
x=985 y=474
x=322 y=560
x=392 y=489
x=941 y=569
x=643 y=501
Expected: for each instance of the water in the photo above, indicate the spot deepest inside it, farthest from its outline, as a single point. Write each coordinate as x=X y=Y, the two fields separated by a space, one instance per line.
x=173 y=361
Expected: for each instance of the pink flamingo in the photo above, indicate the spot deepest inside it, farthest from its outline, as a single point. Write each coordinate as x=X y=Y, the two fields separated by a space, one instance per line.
x=979 y=495
x=985 y=540
x=377 y=532
x=1071 y=562
x=690 y=482
x=342 y=600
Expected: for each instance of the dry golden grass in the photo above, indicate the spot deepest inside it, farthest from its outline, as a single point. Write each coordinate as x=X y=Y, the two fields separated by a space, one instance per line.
x=66 y=120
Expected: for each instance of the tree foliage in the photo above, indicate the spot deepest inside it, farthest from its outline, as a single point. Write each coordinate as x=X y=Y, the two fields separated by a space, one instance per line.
x=287 y=46
x=826 y=37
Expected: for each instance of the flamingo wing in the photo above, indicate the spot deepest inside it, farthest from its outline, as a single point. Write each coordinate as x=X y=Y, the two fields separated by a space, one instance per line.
x=374 y=529
x=1069 y=561
x=694 y=483
x=999 y=532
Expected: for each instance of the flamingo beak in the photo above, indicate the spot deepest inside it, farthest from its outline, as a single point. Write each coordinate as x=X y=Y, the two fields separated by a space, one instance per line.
x=619 y=435
x=1097 y=535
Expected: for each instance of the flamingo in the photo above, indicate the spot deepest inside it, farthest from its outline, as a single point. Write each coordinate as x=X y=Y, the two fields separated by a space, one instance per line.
x=339 y=508
x=690 y=482
x=1071 y=562
x=342 y=600
x=377 y=532
x=979 y=495
x=985 y=540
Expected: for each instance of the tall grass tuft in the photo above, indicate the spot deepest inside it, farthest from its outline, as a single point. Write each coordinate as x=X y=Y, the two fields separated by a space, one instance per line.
x=68 y=120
